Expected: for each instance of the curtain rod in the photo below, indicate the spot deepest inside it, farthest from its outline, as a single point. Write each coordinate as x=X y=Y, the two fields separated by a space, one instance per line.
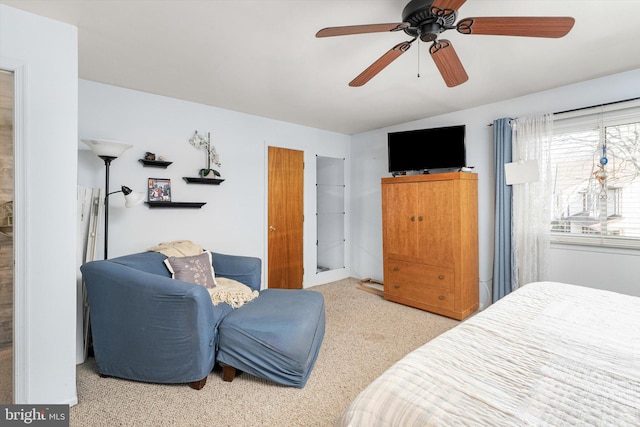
x=592 y=106
x=599 y=105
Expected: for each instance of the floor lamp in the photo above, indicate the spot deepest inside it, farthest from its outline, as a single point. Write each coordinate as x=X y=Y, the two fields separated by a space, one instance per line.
x=109 y=151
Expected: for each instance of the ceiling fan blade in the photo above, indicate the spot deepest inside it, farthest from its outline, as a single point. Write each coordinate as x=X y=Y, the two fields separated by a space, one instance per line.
x=380 y=64
x=551 y=27
x=360 y=29
x=448 y=4
x=448 y=63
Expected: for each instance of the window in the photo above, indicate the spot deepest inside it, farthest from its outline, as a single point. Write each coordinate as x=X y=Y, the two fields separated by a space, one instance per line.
x=595 y=176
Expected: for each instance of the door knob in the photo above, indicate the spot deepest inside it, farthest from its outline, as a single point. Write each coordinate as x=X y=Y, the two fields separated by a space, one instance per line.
x=272 y=228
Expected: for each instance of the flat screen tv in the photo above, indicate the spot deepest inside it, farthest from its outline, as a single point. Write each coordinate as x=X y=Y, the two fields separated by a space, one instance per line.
x=424 y=149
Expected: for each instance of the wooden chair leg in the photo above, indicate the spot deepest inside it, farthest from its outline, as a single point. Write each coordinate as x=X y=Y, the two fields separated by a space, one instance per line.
x=228 y=373
x=197 y=385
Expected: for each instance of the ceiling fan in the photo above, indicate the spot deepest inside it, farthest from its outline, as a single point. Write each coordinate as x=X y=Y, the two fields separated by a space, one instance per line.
x=427 y=19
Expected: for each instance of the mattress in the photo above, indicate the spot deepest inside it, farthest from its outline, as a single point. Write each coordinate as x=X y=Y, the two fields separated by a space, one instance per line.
x=548 y=354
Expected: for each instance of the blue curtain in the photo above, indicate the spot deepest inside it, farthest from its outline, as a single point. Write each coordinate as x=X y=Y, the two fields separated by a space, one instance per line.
x=502 y=263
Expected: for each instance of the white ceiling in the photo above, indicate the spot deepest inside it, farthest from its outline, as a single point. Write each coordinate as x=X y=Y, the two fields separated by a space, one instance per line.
x=261 y=56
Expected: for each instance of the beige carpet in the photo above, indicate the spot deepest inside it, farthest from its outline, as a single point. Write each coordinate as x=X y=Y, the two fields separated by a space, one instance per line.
x=364 y=336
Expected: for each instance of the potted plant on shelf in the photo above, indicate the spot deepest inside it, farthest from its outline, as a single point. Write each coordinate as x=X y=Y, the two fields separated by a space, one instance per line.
x=201 y=142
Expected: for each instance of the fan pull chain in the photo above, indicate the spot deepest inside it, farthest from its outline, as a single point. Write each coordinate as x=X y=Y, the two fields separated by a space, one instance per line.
x=418 y=60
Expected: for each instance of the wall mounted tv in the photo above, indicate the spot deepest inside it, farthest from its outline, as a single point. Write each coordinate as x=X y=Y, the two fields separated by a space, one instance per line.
x=424 y=149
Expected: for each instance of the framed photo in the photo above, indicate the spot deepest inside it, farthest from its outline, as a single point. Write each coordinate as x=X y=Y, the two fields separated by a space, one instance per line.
x=159 y=190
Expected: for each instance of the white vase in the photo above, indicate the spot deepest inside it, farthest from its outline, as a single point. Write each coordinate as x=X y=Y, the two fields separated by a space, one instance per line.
x=210 y=175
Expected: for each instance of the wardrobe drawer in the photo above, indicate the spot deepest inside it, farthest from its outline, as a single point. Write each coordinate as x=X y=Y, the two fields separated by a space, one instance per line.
x=412 y=294
x=413 y=274
x=423 y=284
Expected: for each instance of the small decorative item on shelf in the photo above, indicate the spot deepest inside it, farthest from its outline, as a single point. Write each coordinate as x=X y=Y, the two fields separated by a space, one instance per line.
x=151 y=160
x=201 y=142
x=159 y=190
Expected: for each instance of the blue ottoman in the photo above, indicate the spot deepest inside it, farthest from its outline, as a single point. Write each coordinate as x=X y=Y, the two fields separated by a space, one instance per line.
x=277 y=336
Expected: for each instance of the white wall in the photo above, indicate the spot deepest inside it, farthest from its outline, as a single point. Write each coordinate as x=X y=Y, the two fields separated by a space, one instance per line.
x=234 y=220
x=573 y=265
x=614 y=269
x=43 y=54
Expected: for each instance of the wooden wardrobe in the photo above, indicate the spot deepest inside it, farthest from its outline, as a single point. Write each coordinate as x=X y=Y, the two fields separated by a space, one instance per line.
x=430 y=242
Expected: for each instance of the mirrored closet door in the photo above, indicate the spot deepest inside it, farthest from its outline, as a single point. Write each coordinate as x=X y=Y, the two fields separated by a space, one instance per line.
x=330 y=213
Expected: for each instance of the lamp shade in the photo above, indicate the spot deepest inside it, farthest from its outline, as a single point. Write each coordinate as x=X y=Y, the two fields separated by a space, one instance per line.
x=103 y=147
x=131 y=198
x=521 y=172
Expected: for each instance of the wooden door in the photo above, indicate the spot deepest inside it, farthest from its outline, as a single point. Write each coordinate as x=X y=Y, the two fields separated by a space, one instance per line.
x=285 y=218
x=399 y=220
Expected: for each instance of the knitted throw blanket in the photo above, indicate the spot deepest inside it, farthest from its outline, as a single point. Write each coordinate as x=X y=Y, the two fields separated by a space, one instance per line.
x=231 y=292
x=179 y=248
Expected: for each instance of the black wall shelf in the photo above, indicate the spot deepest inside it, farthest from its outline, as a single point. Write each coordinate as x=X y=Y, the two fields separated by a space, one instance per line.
x=165 y=205
x=197 y=180
x=155 y=163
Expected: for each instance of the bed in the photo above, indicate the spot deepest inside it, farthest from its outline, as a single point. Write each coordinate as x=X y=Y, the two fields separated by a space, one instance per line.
x=549 y=354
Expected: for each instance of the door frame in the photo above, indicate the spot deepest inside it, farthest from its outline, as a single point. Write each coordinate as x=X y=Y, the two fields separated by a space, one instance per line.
x=20 y=279
x=310 y=223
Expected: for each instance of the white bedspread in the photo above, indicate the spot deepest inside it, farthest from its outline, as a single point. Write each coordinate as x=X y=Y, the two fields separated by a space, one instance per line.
x=549 y=354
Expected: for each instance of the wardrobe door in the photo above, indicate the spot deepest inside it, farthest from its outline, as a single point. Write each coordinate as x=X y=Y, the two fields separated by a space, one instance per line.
x=399 y=219
x=436 y=232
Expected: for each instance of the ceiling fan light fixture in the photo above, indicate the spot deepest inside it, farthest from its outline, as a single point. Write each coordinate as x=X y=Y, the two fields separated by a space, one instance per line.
x=429 y=32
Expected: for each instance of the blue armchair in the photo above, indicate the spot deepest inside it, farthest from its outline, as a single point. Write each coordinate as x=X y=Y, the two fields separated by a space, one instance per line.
x=149 y=327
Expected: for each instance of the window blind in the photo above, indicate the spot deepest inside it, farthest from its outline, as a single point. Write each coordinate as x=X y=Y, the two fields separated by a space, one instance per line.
x=595 y=173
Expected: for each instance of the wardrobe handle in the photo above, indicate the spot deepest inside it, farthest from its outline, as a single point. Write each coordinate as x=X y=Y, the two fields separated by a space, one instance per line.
x=413 y=218
x=441 y=297
x=420 y=218
x=441 y=277
x=396 y=268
